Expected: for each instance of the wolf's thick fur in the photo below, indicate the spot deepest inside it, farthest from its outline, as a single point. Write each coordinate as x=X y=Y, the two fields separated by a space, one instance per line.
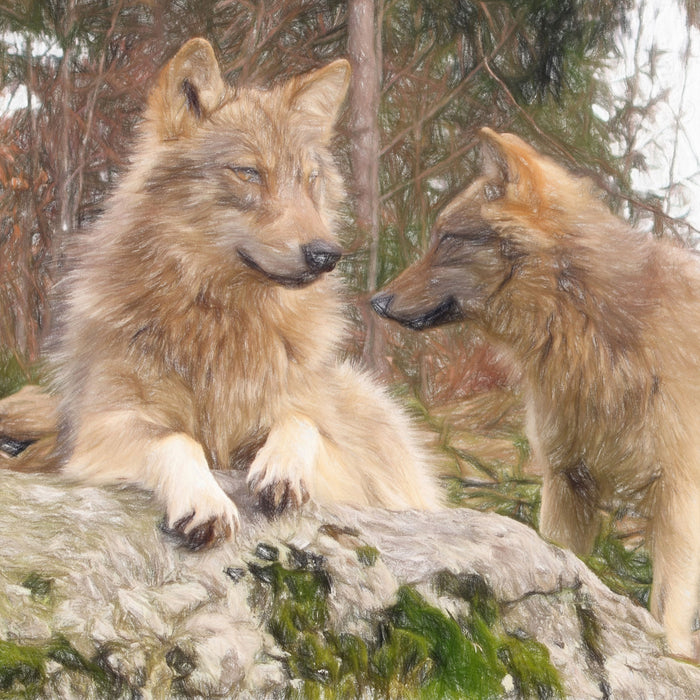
x=605 y=325
x=200 y=324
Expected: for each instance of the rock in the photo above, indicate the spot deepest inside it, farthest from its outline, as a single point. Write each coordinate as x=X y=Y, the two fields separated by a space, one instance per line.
x=98 y=602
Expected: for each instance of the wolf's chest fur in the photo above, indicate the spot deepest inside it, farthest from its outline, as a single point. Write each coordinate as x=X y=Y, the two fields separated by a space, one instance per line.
x=235 y=356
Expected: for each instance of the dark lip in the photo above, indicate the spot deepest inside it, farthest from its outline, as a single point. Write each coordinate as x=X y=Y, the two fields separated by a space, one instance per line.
x=293 y=282
x=447 y=312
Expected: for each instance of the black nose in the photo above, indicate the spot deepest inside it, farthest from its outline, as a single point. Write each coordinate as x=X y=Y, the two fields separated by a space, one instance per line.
x=381 y=303
x=321 y=256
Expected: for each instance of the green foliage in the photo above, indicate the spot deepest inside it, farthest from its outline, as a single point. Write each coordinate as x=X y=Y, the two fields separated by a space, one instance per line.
x=500 y=487
x=625 y=570
x=449 y=67
x=415 y=651
x=14 y=374
x=516 y=498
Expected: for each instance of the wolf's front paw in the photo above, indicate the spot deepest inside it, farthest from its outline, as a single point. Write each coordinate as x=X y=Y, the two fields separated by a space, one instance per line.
x=197 y=509
x=282 y=472
x=203 y=521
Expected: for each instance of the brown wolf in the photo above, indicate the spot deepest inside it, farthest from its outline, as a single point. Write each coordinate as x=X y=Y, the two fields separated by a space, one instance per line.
x=605 y=325
x=200 y=325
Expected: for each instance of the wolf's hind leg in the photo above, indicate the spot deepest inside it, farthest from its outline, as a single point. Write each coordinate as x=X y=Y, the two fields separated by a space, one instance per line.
x=568 y=513
x=28 y=429
x=372 y=453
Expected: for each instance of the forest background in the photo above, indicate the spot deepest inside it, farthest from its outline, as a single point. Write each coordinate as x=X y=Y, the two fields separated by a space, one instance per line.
x=426 y=76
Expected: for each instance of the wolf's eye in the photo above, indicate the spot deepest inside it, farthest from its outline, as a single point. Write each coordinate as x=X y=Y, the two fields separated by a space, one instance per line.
x=246 y=174
x=313 y=176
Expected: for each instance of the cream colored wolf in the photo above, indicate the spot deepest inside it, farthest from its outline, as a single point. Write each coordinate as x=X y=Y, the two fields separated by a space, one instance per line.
x=605 y=325
x=200 y=325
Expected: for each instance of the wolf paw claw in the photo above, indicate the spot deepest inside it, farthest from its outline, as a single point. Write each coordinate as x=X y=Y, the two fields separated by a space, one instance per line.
x=206 y=534
x=198 y=531
x=275 y=498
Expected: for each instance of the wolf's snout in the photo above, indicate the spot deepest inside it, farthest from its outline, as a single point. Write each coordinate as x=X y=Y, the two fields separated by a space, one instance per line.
x=381 y=303
x=321 y=256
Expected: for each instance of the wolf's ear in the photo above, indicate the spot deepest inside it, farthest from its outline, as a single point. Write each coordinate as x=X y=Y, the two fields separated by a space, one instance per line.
x=514 y=164
x=321 y=93
x=189 y=88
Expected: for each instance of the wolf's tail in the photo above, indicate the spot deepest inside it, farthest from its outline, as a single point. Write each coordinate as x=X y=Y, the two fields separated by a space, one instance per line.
x=28 y=431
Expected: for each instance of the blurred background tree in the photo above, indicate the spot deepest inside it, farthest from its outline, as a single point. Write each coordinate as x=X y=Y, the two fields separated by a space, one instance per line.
x=75 y=74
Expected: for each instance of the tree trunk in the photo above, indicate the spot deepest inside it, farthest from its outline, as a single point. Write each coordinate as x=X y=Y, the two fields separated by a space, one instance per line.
x=364 y=52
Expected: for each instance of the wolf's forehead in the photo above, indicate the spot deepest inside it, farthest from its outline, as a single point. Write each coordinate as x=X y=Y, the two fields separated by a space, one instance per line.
x=260 y=125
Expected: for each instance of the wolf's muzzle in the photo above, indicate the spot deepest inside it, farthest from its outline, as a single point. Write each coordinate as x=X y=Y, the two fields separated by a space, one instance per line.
x=446 y=312
x=321 y=256
x=381 y=303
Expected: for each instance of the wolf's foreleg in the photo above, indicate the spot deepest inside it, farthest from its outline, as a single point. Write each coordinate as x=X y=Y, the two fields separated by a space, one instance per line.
x=282 y=473
x=196 y=506
x=122 y=448
x=342 y=439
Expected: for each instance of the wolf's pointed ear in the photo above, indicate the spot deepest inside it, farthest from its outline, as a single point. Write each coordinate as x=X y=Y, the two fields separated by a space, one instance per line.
x=514 y=163
x=321 y=93
x=189 y=88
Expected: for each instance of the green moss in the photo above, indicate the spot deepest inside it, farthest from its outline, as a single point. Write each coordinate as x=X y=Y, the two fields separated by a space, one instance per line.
x=464 y=663
x=401 y=662
x=367 y=555
x=590 y=632
x=299 y=600
x=470 y=587
x=531 y=669
x=353 y=653
x=23 y=667
x=39 y=586
x=416 y=650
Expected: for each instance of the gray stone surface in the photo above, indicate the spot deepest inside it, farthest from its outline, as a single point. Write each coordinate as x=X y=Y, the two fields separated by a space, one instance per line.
x=169 y=622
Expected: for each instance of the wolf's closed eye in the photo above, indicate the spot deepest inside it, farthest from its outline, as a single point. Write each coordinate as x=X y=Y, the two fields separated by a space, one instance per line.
x=246 y=174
